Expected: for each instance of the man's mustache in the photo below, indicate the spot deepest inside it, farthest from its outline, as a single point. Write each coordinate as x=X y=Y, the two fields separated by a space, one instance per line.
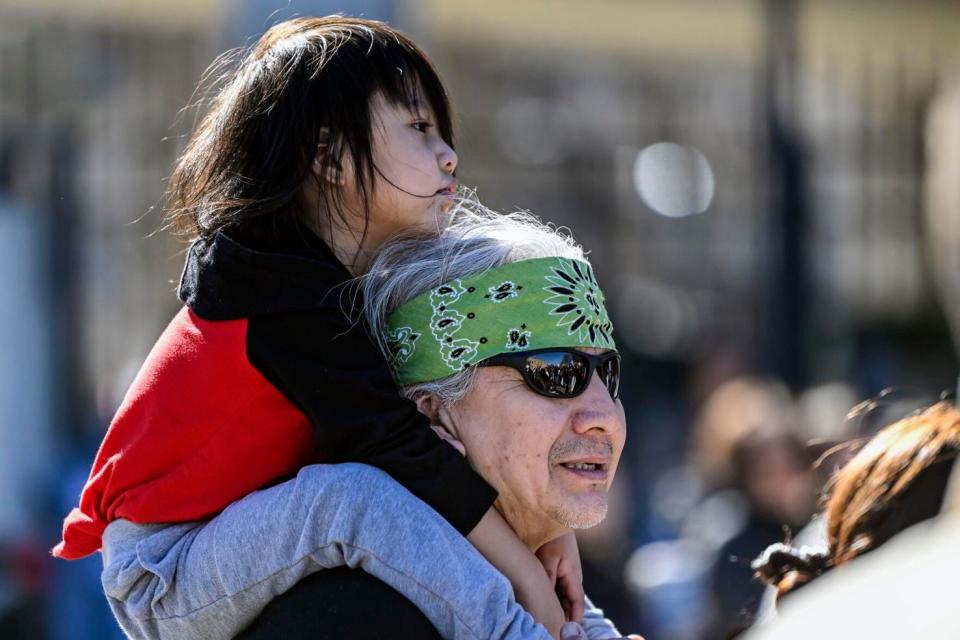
x=581 y=447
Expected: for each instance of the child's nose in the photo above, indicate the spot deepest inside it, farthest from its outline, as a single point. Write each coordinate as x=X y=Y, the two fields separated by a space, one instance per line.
x=448 y=159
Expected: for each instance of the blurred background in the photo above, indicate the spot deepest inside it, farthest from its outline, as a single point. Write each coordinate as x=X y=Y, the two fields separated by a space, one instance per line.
x=770 y=191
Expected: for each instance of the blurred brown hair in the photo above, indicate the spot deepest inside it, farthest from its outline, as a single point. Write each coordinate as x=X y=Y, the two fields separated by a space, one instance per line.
x=897 y=480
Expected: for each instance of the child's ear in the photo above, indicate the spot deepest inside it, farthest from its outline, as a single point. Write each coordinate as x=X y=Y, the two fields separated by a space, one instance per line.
x=330 y=170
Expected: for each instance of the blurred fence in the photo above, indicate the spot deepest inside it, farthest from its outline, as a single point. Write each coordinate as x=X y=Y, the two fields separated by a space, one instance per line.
x=87 y=135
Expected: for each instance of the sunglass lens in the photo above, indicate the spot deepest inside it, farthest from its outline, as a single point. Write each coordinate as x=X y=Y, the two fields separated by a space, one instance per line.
x=557 y=373
x=610 y=374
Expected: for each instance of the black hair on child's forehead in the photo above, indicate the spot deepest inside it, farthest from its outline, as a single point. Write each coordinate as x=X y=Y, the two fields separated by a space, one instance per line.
x=407 y=79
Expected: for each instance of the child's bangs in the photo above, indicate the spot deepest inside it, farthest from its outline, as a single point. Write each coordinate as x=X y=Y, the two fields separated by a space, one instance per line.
x=408 y=80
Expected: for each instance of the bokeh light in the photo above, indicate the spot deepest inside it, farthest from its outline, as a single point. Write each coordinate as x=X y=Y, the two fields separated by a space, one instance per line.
x=673 y=180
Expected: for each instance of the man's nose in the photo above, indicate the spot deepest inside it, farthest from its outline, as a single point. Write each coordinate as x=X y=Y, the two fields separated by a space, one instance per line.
x=596 y=410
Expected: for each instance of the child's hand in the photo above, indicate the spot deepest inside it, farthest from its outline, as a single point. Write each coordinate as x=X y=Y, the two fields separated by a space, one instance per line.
x=561 y=559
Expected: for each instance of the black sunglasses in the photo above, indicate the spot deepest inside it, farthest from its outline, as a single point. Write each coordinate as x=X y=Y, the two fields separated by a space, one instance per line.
x=561 y=372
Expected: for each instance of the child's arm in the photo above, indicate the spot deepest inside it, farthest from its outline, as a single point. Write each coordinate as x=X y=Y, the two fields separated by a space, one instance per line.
x=494 y=538
x=561 y=559
x=210 y=580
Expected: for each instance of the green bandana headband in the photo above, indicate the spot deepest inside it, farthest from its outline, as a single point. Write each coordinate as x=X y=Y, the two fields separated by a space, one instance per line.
x=521 y=306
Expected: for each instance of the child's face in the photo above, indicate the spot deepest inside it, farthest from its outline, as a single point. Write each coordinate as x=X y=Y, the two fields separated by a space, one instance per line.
x=414 y=183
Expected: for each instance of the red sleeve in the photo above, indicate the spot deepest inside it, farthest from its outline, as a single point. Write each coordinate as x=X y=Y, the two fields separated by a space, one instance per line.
x=172 y=454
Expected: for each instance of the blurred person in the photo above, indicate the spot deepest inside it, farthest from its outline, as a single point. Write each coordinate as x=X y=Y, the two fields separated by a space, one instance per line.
x=904 y=542
x=904 y=590
x=754 y=473
x=331 y=135
x=536 y=410
x=753 y=468
x=772 y=470
x=733 y=411
x=747 y=475
x=897 y=480
x=76 y=608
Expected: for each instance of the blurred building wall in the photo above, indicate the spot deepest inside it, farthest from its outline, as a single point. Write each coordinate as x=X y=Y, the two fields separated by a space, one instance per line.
x=26 y=380
x=156 y=14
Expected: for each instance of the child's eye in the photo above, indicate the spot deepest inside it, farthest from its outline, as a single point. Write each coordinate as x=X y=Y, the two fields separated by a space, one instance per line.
x=422 y=126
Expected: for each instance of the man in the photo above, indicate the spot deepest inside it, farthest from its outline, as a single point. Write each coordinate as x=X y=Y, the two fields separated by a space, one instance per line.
x=511 y=356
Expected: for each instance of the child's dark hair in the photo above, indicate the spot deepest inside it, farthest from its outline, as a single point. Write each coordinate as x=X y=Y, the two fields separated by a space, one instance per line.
x=306 y=82
x=897 y=480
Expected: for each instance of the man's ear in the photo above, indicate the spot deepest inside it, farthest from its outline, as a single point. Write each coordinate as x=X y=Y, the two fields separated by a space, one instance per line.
x=429 y=406
x=440 y=420
x=328 y=170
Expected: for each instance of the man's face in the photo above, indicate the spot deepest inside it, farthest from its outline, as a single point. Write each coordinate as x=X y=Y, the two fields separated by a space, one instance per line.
x=528 y=448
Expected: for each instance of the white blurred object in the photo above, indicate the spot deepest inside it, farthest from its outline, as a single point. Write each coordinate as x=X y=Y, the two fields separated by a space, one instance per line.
x=717 y=519
x=676 y=493
x=673 y=180
x=942 y=199
x=670 y=561
x=670 y=578
x=823 y=411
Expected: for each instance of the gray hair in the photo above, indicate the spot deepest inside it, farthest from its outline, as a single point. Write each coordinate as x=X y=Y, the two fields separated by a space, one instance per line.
x=476 y=240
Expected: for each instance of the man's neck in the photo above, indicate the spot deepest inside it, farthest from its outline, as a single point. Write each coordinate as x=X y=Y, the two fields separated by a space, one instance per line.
x=533 y=532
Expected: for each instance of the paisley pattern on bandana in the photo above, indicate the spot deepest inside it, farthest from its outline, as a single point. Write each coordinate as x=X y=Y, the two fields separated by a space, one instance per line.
x=446 y=322
x=578 y=301
x=503 y=291
x=530 y=304
x=459 y=353
x=402 y=343
x=518 y=339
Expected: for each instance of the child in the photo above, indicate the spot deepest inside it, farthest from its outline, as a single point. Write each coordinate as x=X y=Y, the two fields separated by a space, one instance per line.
x=332 y=135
